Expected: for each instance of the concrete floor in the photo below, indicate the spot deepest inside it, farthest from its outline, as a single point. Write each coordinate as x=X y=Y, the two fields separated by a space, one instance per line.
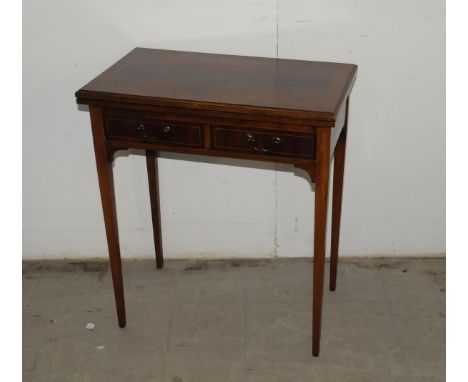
x=234 y=321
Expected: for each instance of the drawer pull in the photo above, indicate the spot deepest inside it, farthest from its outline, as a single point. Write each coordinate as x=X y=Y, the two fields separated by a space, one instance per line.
x=141 y=128
x=250 y=138
x=276 y=141
x=153 y=129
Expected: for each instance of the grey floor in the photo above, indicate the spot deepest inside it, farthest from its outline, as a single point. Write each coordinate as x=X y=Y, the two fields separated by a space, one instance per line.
x=234 y=321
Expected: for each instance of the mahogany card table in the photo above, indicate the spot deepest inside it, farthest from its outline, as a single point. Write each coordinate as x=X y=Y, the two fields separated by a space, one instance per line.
x=267 y=109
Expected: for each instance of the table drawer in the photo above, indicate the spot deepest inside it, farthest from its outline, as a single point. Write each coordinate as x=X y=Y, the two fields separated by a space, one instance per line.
x=265 y=143
x=172 y=133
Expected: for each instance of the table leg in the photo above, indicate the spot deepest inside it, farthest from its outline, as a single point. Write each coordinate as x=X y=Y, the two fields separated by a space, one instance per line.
x=338 y=172
x=153 y=181
x=321 y=201
x=104 y=161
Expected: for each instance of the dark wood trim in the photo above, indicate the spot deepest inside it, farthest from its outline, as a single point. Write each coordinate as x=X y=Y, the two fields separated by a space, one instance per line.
x=214 y=116
x=207 y=136
x=321 y=204
x=211 y=152
x=338 y=174
x=90 y=98
x=153 y=182
x=106 y=186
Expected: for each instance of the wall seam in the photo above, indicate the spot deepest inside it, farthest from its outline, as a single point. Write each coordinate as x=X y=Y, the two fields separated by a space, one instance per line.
x=275 y=252
x=277 y=29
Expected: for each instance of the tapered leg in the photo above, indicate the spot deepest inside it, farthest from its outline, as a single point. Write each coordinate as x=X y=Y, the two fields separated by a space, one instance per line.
x=338 y=172
x=153 y=181
x=106 y=185
x=321 y=199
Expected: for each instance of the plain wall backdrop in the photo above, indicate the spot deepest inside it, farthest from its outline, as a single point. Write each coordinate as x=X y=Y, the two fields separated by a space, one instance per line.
x=394 y=187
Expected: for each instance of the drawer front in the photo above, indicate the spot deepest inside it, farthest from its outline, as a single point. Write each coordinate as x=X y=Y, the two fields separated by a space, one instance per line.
x=265 y=143
x=171 y=133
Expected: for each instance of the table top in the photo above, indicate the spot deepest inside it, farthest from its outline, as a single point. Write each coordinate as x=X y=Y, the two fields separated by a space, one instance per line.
x=305 y=89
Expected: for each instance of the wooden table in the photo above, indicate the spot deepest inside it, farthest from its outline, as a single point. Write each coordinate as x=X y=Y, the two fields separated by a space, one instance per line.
x=264 y=109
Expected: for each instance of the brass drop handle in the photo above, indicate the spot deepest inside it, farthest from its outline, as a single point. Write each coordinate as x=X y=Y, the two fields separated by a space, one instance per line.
x=276 y=141
x=167 y=129
x=251 y=140
x=142 y=129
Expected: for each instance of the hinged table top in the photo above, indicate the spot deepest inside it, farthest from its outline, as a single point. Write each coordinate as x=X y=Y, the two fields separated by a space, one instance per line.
x=236 y=84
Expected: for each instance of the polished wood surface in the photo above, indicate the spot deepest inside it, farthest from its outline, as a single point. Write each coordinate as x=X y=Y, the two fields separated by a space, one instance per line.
x=320 y=224
x=106 y=185
x=153 y=183
x=225 y=83
x=251 y=108
x=258 y=141
x=338 y=174
x=171 y=133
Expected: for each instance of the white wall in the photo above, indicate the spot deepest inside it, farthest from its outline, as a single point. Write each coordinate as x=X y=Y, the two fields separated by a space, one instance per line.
x=394 y=196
